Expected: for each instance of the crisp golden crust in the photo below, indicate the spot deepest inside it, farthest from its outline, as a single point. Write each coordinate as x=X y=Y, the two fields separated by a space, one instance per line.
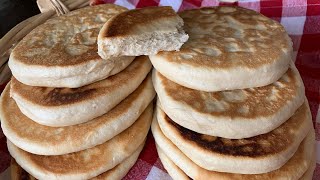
x=126 y=22
x=230 y=37
x=66 y=40
x=259 y=146
x=46 y=96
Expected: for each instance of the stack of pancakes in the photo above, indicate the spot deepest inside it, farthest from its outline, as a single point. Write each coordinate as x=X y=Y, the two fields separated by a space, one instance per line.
x=231 y=104
x=67 y=113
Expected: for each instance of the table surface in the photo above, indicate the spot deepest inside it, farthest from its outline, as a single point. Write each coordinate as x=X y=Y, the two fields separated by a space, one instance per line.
x=301 y=18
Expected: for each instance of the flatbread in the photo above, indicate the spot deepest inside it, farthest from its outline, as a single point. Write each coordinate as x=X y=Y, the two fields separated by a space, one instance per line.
x=255 y=155
x=87 y=163
x=228 y=48
x=44 y=140
x=296 y=167
x=232 y=114
x=177 y=174
x=118 y=172
x=173 y=170
x=55 y=55
x=143 y=31
x=64 y=106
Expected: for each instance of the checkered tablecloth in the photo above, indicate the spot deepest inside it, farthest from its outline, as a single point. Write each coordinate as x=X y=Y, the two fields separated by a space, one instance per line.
x=301 y=18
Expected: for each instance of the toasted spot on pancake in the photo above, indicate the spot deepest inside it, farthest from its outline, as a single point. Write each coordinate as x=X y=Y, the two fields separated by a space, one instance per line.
x=208 y=138
x=59 y=96
x=258 y=146
x=53 y=96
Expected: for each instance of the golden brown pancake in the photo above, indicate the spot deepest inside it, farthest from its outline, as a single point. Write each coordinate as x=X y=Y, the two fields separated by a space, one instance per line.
x=255 y=155
x=65 y=106
x=173 y=170
x=118 y=172
x=87 y=163
x=45 y=140
x=233 y=114
x=228 y=48
x=33 y=49
x=297 y=167
x=62 y=52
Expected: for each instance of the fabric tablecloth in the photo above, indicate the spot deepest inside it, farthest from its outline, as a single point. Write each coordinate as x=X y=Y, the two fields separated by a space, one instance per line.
x=301 y=18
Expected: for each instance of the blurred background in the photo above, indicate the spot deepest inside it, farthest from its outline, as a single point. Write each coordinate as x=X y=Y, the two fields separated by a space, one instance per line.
x=14 y=11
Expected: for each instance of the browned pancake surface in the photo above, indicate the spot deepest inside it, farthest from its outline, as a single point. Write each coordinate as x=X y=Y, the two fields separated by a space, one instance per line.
x=46 y=96
x=229 y=37
x=27 y=129
x=266 y=144
x=293 y=169
x=124 y=23
x=247 y=103
x=66 y=40
x=93 y=158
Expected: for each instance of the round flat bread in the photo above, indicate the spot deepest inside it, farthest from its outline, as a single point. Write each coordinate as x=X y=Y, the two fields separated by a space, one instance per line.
x=45 y=140
x=228 y=48
x=55 y=55
x=118 y=172
x=121 y=169
x=232 y=114
x=255 y=155
x=87 y=163
x=64 y=106
x=174 y=171
x=296 y=167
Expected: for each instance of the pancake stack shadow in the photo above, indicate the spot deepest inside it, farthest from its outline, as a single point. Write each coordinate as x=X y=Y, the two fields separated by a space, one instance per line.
x=231 y=103
x=67 y=113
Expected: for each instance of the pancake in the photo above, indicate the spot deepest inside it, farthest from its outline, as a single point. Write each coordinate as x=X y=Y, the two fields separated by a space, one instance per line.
x=232 y=114
x=118 y=172
x=45 y=140
x=255 y=155
x=143 y=31
x=64 y=106
x=87 y=163
x=177 y=174
x=121 y=169
x=173 y=170
x=55 y=55
x=233 y=45
x=293 y=169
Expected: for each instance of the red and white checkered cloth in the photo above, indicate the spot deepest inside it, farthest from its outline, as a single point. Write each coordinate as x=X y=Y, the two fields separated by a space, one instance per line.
x=301 y=18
